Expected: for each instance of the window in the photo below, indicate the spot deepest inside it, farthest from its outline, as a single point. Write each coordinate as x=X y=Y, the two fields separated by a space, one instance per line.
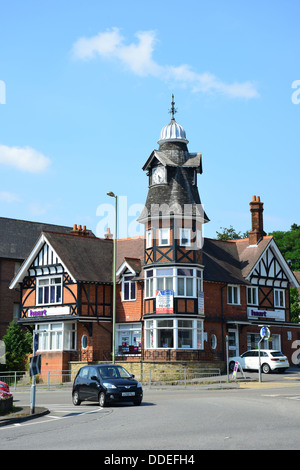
x=279 y=298
x=49 y=290
x=185 y=282
x=148 y=238
x=164 y=279
x=164 y=236
x=84 y=341
x=185 y=237
x=128 y=288
x=233 y=295
x=128 y=338
x=252 y=296
x=149 y=283
x=213 y=341
x=57 y=336
x=174 y=334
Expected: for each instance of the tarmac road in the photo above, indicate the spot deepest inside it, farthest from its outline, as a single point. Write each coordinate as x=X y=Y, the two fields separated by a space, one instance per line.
x=250 y=416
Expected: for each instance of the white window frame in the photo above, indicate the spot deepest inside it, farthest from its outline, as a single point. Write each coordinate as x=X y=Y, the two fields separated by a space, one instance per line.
x=279 y=298
x=232 y=287
x=149 y=241
x=134 y=333
x=151 y=282
x=55 y=336
x=162 y=237
x=38 y=286
x=127 y=279
x=252 y=295
x=185 y=234
x=152 y=327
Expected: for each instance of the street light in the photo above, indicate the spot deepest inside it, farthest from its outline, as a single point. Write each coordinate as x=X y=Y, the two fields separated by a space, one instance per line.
x=111 y=194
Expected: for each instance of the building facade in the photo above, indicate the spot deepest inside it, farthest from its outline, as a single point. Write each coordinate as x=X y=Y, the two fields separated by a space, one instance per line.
x=180 y=296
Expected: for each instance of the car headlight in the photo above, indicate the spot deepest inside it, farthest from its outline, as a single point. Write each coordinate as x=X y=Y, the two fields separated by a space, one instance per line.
x=139 y=385
x=108 y=385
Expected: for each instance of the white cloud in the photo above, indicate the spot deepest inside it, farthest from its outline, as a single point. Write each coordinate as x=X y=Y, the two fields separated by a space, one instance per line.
x=138 y=57
x=7 y=197
x=24 y=159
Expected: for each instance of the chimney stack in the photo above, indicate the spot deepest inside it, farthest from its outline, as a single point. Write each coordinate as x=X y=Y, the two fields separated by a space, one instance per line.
x=108 y=235
x=80 y=230
x=257 y=232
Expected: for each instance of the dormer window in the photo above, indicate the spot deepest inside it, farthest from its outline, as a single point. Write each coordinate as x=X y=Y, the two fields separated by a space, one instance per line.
x=128 y=288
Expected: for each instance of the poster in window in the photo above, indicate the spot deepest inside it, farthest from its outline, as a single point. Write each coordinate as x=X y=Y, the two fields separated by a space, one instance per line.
x=164 y=301
x=201 y=302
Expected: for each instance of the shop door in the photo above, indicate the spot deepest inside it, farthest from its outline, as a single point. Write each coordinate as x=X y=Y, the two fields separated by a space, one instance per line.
x=233 y=344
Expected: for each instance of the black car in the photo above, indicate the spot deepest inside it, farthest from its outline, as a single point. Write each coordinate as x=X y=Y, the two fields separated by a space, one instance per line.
x=106 y=383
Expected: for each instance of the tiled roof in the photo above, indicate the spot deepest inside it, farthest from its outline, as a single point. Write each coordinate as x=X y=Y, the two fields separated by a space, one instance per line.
x=17 y=237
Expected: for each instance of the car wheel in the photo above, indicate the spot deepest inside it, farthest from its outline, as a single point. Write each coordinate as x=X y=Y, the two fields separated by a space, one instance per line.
x=76 y=399
x=137 y=402
x=102 y=399
x=231 y=366
x=265 y=368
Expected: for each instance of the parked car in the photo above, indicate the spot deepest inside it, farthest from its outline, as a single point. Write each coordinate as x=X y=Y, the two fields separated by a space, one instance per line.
x=106 y=384
x=4 y=387
x=270 y=359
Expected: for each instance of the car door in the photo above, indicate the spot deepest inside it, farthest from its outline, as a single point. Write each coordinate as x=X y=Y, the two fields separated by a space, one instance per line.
x=253 y=360
x=245 y=360
x=92 y=384
x=81 y=382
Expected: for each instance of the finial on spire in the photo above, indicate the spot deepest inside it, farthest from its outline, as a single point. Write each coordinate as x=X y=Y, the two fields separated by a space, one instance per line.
x=173 y=110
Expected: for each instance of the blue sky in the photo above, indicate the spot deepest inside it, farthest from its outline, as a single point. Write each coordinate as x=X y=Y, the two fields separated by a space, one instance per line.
x=85 y=88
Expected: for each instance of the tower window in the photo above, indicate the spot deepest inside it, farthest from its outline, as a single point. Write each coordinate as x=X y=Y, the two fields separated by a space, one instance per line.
x=185 y=237
x=164 y=236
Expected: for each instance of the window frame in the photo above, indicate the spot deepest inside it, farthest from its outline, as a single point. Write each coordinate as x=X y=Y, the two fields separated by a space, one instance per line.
x=160 y=237
x=277 y=292
x=238 y=296
x=128 y=279
x=38 y=287
x=250 y=291
x=154 y=327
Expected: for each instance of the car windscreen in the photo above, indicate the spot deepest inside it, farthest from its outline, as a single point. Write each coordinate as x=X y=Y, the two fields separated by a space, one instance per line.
x=113 y=372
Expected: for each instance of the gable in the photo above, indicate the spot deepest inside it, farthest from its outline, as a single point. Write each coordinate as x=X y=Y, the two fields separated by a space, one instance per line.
x=271 y=269
x=46 y=262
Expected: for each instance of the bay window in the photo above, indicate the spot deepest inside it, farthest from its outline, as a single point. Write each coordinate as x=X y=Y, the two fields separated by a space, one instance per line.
x=175 y=333
x=184 y=282
x=57 y=336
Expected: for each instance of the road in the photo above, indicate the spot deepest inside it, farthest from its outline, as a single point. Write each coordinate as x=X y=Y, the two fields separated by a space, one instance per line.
x=254 y=416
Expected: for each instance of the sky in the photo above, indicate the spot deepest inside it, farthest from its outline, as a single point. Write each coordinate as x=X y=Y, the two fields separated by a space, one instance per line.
x=86 y=87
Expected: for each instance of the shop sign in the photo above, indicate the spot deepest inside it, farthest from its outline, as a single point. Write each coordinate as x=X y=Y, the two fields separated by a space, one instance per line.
x=46 y=312
x=201 y=302
x=164 y=301
x=270 y=314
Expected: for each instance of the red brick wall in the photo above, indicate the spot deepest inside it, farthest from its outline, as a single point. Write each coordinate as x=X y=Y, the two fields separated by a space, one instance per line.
x=7 y=297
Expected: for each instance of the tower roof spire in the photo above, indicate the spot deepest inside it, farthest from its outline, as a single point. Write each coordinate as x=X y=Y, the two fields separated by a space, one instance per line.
x=173 y=110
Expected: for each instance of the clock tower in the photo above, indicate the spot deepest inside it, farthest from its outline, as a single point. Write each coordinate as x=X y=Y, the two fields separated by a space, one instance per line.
x=173 y=217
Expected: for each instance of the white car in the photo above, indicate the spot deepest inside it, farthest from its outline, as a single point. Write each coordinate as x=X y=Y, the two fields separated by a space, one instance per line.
x=270 y=359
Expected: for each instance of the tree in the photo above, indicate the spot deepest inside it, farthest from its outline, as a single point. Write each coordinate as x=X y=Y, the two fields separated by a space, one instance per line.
x=289 y=245
x=295 y=305
x=18 y=345
x=230 y=234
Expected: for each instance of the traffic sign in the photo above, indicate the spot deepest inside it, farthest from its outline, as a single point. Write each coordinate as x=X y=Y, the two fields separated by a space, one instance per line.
x=265 y=332
x=35 y=365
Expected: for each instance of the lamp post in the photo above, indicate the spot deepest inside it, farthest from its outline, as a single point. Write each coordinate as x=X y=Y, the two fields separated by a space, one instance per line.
x=111 y=194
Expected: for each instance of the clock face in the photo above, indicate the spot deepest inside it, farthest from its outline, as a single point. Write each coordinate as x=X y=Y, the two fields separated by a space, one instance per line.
x=158 y=175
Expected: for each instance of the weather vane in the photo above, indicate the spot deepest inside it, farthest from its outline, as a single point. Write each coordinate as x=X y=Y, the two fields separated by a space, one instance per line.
x=173 y=110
